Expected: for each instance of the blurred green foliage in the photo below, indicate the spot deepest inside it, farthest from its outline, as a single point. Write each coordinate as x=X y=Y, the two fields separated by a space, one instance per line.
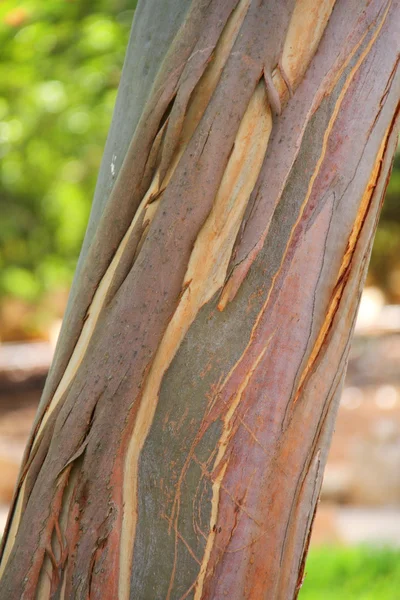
x=385 y=260
x=355 y=573
x=59 y=72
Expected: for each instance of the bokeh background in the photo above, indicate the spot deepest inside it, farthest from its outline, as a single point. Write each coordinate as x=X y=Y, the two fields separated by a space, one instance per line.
x=60 y=67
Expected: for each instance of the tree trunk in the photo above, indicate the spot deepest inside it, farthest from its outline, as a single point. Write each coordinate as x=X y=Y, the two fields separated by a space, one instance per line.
x=182 y=435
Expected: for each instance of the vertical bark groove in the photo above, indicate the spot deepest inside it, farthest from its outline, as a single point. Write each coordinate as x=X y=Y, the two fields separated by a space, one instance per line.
x=211 y=328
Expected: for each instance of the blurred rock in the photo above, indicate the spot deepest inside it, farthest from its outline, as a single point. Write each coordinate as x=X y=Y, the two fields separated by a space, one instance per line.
x=374 y=360
x=325 y=529
x=371 y=305
x=375 y=463
x=335 y=524
x=336 y=485
x=20 y=362
x=376 y=526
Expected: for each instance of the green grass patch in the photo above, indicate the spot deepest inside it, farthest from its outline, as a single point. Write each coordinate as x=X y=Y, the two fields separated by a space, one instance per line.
x=355 y=573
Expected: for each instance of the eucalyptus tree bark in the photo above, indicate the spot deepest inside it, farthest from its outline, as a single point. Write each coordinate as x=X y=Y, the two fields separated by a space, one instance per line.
x=182 y=435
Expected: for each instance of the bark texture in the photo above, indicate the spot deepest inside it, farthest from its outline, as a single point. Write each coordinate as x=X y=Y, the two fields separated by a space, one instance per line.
x=181 y=439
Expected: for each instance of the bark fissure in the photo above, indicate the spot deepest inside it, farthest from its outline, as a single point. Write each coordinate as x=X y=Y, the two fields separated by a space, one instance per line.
x=243 y=257
x=345 y=268
x=212 y=329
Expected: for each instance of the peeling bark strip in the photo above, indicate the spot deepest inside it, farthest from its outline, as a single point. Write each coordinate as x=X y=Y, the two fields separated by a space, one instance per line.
x=180 y=443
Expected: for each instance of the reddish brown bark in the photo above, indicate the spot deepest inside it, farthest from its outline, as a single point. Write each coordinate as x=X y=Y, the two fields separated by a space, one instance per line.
x=180 y=444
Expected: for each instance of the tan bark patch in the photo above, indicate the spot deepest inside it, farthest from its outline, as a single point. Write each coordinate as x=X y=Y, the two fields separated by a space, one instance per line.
x=205 y=275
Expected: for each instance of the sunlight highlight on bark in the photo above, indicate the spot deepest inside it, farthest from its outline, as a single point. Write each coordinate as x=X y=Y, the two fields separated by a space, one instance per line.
x=216 y=488
x=341 y=280
x=205 y=275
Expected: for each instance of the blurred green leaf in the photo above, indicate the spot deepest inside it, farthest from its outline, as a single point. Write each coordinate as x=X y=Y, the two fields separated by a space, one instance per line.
x=352 y=573
x=20 y=283
x=60 y=68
